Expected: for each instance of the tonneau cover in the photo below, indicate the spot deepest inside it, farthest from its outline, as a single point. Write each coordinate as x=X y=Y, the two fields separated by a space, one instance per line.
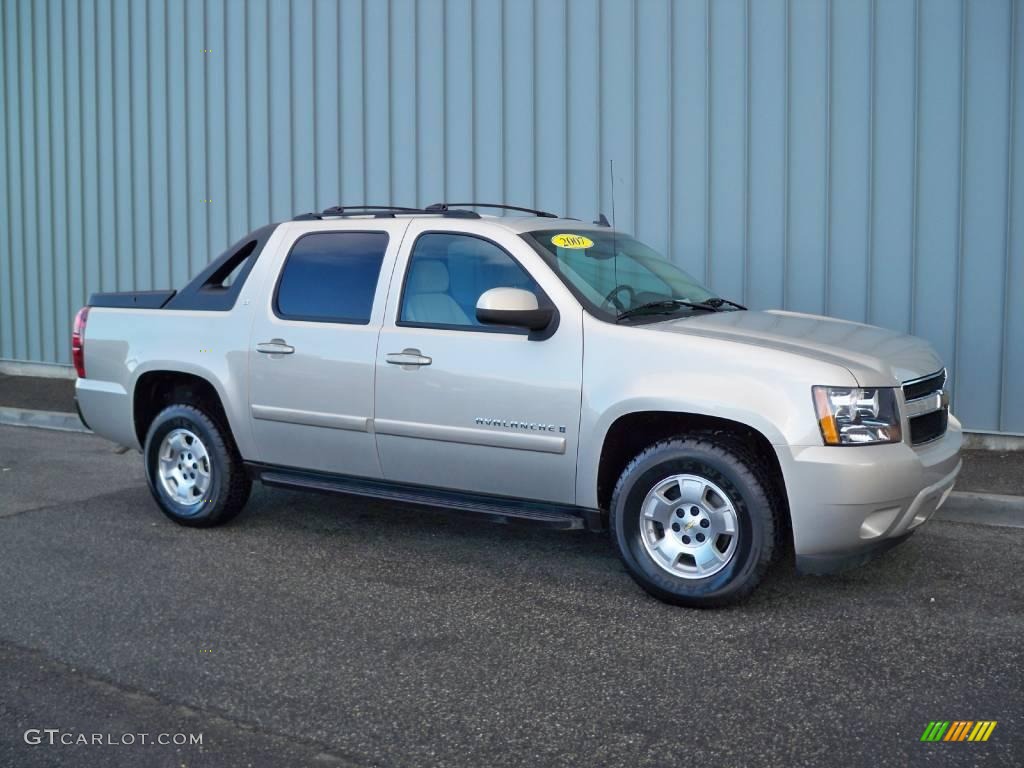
x=131 y=299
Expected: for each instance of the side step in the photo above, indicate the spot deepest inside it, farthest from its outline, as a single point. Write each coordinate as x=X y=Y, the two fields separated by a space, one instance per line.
x=498 y=508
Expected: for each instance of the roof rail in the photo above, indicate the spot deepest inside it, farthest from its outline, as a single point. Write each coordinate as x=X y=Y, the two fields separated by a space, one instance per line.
x=444 y=207
x=381 y=212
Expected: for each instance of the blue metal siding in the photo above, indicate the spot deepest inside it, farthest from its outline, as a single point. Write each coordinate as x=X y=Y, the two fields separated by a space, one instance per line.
x=853 y=158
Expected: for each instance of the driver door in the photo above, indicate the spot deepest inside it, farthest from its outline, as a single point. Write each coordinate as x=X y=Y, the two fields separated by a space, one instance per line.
x=464 y=405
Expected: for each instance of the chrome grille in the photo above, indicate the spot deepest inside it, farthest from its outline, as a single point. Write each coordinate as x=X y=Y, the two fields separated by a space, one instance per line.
x=927 y=407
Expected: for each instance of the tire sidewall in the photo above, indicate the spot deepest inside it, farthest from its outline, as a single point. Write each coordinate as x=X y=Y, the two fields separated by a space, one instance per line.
x=175 y=417
x=749 y=501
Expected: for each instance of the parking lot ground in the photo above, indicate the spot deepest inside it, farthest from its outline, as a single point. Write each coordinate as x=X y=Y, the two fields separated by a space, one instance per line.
x=326 y=631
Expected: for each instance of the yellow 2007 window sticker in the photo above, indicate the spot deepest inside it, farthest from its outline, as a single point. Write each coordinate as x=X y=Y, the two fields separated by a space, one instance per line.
x=572 y=241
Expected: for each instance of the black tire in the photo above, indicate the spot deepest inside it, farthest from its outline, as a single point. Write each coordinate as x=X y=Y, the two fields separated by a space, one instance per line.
x=724 y=463
x=229 y=485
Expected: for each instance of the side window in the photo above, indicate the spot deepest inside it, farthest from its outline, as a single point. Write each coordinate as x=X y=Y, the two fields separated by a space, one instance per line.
x=448 y=272
x=331 y=277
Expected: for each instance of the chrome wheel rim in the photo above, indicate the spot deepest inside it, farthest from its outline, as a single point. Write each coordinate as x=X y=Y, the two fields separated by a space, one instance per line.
x=183 y=466
x=689 y=526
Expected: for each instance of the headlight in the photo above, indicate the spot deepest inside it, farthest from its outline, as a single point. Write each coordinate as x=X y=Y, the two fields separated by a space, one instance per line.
x=856 y=416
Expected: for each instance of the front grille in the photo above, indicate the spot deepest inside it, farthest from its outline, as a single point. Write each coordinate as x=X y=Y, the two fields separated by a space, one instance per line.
x=928 y=427
x=921 y=387
x=932 y=425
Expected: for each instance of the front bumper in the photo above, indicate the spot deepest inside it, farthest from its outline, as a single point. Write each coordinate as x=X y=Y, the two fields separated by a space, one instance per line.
x=848 y=504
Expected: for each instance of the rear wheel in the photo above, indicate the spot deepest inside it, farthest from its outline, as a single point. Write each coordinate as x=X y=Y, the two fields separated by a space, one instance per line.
x=695 y=521
x=193 y=467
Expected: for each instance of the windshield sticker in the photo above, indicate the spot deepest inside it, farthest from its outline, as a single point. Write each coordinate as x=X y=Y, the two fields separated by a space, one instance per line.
x=572 y=241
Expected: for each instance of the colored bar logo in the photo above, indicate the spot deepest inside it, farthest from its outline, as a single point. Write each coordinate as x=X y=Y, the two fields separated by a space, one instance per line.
x=958 y=730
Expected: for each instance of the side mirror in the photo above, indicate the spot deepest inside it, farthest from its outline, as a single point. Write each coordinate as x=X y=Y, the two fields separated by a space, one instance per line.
x=515 y=307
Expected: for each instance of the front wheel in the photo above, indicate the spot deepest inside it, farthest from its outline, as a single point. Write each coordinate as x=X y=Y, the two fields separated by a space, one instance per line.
x=193 y=468
x=694 y=521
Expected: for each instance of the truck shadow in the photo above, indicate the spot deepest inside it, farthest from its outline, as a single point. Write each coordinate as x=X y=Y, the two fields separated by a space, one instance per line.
x=419 y=534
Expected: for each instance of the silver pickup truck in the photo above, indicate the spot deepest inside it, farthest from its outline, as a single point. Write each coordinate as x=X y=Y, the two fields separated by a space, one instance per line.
x=528 y=368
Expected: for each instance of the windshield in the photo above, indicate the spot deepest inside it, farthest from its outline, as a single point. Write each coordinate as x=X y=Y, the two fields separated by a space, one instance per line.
x=613 y=273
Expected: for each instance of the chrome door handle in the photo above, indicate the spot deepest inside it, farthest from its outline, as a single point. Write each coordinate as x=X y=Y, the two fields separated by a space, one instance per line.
x=408 y=357
x=274 y=347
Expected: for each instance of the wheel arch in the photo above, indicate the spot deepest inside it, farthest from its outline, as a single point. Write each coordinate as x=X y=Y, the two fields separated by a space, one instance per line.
x=631 y=432
x=158 y=388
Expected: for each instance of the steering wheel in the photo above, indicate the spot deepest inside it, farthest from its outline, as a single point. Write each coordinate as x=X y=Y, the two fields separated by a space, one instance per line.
x=613 y=297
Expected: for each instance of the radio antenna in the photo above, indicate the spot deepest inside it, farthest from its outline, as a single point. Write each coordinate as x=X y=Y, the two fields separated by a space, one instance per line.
x=615 y=248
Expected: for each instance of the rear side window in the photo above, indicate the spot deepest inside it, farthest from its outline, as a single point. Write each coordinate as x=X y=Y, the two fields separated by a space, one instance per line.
x=331 y=277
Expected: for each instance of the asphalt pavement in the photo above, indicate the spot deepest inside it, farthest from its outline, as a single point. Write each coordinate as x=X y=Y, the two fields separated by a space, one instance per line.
x=324 y=631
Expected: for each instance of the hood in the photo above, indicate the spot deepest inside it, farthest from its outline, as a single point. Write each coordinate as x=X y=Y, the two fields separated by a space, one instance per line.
x=875 y=356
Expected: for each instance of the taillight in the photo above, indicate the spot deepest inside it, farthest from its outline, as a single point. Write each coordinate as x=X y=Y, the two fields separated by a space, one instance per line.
x=78 y=342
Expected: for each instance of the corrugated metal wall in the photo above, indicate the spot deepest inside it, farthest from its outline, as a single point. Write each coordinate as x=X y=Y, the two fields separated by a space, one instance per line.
x=853 y=158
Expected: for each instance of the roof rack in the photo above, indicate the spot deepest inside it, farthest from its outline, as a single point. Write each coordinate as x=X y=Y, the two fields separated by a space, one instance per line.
x=445 y=207
x=381 y=212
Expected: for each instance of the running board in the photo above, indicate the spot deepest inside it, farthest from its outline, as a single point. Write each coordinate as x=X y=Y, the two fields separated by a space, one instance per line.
x=497 y=508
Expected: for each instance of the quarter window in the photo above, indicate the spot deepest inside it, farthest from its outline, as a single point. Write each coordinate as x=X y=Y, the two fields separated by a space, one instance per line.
x=331 y=277
x=447 y=275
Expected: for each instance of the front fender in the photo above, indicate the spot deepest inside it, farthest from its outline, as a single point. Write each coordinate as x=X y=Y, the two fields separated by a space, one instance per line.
x=591 y=450
x=641 y=369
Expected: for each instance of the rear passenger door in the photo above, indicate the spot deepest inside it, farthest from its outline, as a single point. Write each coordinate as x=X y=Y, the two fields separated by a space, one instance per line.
x=313 y=346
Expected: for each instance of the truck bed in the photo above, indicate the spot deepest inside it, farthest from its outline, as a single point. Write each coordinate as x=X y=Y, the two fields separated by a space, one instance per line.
x=215 y=288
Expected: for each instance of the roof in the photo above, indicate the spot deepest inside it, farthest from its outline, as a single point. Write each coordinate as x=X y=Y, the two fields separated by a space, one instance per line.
x=523 y=220
x=519 y=224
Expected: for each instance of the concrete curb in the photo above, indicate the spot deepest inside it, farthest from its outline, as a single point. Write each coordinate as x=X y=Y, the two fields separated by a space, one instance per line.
x=25 y=417
x=983 y=508
x=984 y=441
x=38 y=370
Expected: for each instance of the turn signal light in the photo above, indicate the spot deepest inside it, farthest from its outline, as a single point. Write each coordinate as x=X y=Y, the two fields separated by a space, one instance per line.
x=827 y=422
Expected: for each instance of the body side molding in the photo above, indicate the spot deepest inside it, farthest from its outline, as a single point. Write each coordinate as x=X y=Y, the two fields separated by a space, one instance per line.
x=470 y=436
x=311 y=418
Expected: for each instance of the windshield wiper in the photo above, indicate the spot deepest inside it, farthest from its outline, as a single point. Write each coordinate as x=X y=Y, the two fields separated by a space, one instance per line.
x=717 y=301
x=662 y=307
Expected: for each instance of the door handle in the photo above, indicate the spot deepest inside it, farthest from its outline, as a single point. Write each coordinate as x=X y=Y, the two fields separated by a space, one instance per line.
x=408 y=357
x=274 y=347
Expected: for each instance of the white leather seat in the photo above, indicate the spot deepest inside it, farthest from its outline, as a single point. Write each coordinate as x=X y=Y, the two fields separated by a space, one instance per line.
x=426 y=296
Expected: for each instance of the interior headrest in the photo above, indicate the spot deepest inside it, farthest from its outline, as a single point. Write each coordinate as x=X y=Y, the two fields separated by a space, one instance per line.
x=464 y=246
x=429 y=276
